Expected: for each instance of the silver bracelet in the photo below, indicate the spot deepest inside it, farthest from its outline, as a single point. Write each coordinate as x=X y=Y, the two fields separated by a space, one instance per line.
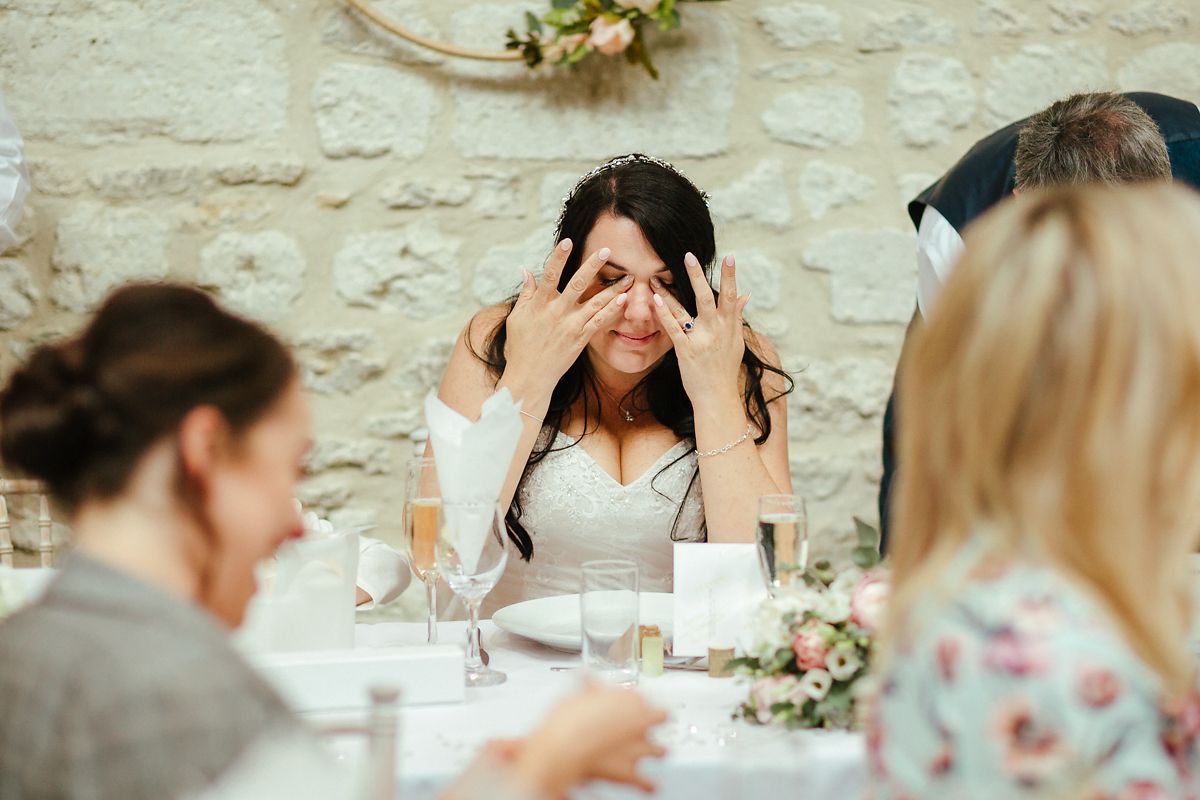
x=728 y=447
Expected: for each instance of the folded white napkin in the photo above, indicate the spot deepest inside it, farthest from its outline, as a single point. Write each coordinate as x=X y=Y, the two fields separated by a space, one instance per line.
x=473 y=459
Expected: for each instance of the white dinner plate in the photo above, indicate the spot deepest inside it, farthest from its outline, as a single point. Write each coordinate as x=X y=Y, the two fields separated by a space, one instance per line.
x=554 y=621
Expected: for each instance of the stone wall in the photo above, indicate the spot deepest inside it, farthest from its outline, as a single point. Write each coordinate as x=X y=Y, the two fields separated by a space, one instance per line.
x=365 y=197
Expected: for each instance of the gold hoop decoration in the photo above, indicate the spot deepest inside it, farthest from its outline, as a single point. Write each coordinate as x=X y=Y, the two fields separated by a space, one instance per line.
x=391 y=26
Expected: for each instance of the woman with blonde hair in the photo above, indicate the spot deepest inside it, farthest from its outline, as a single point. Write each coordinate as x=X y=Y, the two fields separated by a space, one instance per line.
x=1049 y=504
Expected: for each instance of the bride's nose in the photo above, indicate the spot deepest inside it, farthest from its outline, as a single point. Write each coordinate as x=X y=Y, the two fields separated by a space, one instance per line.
x=639 y=307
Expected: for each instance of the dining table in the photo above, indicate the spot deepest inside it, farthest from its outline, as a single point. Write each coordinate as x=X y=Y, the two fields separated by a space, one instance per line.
x=710 y=754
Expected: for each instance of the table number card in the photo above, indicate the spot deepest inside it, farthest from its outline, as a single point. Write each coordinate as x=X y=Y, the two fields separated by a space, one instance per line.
x=717 y=589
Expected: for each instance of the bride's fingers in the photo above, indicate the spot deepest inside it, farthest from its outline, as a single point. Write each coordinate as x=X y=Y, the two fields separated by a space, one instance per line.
x=601 y=300
x=705 y=304
x=729 y=295
x=553 y=268
x=586 y=273
x=605 y=313
x=668 y=322
x=528 y=287
x=681 y=314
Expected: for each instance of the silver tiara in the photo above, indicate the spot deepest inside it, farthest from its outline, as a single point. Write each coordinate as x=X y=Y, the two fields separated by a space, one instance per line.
x=610 y=165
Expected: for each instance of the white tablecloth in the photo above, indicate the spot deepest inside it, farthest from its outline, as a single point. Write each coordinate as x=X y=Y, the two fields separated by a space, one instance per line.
x=710 y=756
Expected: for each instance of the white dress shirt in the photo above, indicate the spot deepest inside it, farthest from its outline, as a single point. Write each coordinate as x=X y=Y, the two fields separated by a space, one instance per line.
x=14 y=179
x=939 y=247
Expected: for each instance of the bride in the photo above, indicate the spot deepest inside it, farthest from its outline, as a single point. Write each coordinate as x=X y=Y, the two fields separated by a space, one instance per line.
x=653 y=414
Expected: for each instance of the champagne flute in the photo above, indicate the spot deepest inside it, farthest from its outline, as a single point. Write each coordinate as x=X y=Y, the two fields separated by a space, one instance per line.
x=471 y=556
x=422 y=515
x=782 y=540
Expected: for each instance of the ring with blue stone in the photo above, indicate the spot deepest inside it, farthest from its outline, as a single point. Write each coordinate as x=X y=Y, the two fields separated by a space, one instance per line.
x=689 y=326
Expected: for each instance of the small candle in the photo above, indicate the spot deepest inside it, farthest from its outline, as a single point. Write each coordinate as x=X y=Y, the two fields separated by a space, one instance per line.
x=718 y=662
x=651 y=640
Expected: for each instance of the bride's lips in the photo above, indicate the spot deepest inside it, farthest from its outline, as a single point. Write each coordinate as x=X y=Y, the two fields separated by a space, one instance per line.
x=636 y=341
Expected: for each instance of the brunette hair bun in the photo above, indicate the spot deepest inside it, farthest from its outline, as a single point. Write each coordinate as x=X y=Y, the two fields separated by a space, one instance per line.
x=79 y=414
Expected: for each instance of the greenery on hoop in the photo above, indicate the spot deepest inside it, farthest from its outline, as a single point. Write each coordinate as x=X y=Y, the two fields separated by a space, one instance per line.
x=574 y=29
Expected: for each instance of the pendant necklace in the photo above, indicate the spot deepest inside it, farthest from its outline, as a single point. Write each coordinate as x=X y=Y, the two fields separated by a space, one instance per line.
x=627 y=415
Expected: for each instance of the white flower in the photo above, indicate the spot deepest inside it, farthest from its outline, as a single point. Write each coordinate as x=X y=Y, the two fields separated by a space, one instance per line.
x=833 y=606
x=610 y=37
x=846 y=580
x=816 y=683
x=843 y=662
x=644 y=6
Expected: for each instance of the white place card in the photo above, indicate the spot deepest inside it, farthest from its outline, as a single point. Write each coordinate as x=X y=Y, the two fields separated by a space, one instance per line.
x=330 y=680
x=717 y=589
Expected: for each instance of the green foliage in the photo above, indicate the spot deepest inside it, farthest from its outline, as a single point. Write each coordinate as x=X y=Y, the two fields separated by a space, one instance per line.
x=543 y=42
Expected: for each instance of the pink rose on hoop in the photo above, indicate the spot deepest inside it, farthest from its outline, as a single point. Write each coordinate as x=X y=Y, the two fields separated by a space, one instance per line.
x=869 y=600
x=611 y=37
x=809 y=647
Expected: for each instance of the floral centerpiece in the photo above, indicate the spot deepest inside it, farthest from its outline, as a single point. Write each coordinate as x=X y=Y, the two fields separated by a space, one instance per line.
x=575 y=29
x=809 y=647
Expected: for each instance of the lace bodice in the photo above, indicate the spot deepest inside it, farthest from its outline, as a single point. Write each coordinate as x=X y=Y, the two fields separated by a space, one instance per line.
x=576 y=512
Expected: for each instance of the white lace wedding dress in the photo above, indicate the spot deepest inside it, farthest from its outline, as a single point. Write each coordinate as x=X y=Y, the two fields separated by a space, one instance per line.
x=575 y=512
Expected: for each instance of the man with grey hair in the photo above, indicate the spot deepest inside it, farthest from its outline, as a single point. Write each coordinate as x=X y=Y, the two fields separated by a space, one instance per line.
x=1100 y=137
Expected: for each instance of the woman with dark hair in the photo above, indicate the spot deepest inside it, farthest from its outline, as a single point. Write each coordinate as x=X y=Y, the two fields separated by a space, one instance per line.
x=653 y=413
x=173 y=432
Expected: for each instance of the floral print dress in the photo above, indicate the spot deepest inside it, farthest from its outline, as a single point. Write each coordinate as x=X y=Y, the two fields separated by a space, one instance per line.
x=1014 y=684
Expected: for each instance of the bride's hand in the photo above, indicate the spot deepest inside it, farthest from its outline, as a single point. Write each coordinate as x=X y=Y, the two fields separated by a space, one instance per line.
x=548 y=329
x=710 y=353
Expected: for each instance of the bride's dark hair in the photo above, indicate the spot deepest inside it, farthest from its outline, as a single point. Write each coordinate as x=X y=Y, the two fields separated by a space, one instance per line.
x=673 y=215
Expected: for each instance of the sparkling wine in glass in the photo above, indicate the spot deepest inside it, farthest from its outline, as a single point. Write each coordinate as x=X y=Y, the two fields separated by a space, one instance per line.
x=782 y=540
x=471 y=555
x=422 y=514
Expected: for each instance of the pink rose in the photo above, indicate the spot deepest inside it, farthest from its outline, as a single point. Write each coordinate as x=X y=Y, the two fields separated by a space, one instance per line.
x=564 y=46
x=1013 y=654
x=809 y=647
x=1032 y=753
x=1098 y=687
x=766 y=692
x=610 y=37
x=644 y=6
x=869 y=600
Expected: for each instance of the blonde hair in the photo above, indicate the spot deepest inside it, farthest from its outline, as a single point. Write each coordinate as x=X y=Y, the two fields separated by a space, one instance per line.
x=1054 y=398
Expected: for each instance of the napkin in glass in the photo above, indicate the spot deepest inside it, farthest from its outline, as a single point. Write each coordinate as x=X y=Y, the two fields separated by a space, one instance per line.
x=473 y=459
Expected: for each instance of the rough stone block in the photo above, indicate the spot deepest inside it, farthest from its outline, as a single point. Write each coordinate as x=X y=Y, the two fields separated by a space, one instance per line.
x=119 y=72
x=329 y=453
x=824 y=186
x=1072 y=16
x=555 y=187
x=349 y=32
x=498 y=274
x=369 y=111
x=99 y=248
x=907 y=27
x=928 y=98
x=839 y=396
x=760 y=195
x=1037 y=75
x=816 y=118
x=414 y=271
x=411 y=193
x=761 y=276
x=1001 y=17
x=873 y=273
x=257 y=274
x=1172 y=69
x=1156 y=16
x=18 y=295
x=502 y=112
x=795 y=70
x=798 y=25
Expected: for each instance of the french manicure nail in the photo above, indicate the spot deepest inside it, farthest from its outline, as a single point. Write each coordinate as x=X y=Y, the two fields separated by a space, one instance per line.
x=604 y=254
x=628 y=279
x=564 y=245
x=658 y=301
x=691 y=260
x=621 y=298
